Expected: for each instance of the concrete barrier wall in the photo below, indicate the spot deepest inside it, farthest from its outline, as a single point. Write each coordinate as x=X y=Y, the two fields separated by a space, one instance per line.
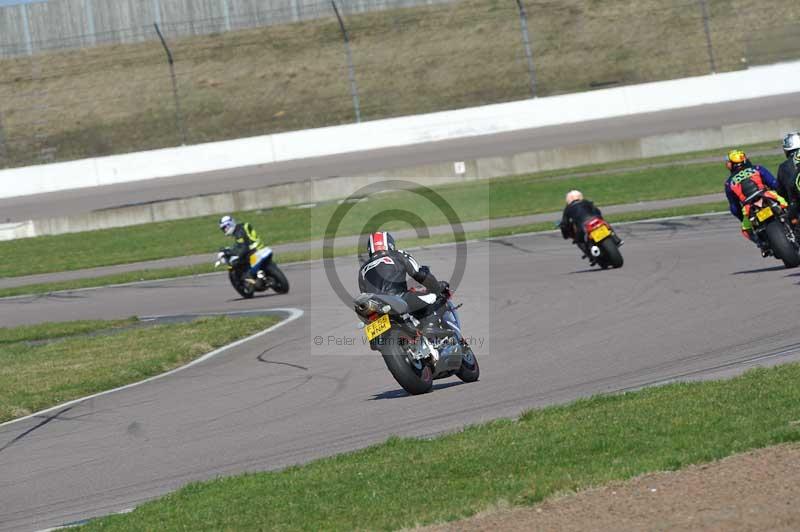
x=436 y=174
x=571 y=108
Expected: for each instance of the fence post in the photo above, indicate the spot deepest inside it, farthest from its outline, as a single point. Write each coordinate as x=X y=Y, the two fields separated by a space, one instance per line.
x=26 y=28
x=707 y=28
x=523 y=20
x=157 y=11
x=226 y=12
x=88 y=9
x=3 y=150
x=178 y=116
x=350 y=68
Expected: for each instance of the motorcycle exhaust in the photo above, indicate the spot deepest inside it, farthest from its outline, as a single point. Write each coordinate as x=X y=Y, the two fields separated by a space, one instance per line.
x=595 y=251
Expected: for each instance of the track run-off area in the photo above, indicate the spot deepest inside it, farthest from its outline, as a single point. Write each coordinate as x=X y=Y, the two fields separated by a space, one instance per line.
x=694 y=300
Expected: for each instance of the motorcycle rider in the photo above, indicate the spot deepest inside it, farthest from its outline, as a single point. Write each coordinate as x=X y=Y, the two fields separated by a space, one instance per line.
x=744 y=180
x=788 y=186
x=247 y=243
x=577 y=212
x=385 y=271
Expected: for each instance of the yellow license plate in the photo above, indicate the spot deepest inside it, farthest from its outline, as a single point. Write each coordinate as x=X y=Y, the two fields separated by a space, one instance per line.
x=377 y=327
x=600 y=233
x=764 y=214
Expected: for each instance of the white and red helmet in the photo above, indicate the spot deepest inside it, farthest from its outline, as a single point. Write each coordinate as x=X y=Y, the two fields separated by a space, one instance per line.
x=380 y=241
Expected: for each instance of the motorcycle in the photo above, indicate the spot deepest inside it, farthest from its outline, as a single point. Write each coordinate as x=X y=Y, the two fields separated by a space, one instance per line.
x=268 y=275
x=771 y=226
x=416 y=354
x=600 y=244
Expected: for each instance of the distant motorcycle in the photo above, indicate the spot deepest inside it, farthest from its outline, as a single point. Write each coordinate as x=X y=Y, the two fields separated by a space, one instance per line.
x=269 y=276
x=600 y=244
x=771 y=225
x=416 y=355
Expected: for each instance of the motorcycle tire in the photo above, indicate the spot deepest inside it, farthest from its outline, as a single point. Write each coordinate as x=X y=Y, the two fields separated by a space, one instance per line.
x=781 y=246
x=415 y=377
x=281 y=284
x=611 y=253
x=237 y=281
x=469 y=371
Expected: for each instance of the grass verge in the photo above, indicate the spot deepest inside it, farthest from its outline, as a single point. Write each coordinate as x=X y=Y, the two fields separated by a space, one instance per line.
x=545 y=452
x=496 y=198
x=44 y=365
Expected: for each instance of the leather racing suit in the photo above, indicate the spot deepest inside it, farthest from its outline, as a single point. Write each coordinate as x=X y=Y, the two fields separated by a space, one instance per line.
x=247 y=242
x=745 y=182
x=385 y=273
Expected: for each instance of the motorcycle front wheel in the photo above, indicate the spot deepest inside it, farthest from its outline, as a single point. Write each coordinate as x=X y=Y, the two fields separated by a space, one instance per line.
x=237 y=281
x=469 y=370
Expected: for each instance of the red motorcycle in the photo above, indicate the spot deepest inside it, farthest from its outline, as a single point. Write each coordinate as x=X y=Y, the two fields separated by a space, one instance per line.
x=601 y=244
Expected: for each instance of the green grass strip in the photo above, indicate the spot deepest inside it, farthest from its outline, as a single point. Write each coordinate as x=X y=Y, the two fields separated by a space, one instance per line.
x=168 y=273
x=476 y=200
x=48 y=364
x=545 y=452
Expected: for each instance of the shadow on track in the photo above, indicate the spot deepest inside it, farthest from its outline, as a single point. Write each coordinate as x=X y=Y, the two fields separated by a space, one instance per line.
x=258 y=296
x=45 y=421
x=588 y=270
x=400 y=393
x=760 y=270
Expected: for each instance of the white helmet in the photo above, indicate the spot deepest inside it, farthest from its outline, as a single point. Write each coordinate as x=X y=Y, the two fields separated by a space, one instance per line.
x=227 y=225
x=574 y=195
x=791 y=142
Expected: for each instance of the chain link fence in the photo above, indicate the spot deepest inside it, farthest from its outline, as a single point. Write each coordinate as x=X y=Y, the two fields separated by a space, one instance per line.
x=114 y=98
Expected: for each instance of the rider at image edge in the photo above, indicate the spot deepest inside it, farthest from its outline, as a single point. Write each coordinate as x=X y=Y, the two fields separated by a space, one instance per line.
x=745 y=179
x=247 y=243
x=576 y=213
x=788 y=171
x=385 y=271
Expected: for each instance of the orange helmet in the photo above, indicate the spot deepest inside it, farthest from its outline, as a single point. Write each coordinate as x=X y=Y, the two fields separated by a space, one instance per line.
x=736 y=160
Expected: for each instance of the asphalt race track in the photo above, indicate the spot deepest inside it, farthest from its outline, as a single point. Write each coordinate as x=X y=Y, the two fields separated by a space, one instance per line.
x=630 y=127
x=694 y=300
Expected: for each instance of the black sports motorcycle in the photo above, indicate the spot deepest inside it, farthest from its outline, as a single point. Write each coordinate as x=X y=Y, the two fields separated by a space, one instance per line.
x=416 y=353
x=771 y=226
x=269 y=276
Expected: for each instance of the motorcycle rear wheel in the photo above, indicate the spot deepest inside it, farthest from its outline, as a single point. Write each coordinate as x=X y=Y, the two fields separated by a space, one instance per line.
x=414 y=376
x=611 y=253
x=281 y=284
x=781 y=246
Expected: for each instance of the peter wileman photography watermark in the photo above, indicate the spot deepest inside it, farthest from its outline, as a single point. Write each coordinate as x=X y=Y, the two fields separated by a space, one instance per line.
x=383 y=217
x=424 y=222
x=475 y=342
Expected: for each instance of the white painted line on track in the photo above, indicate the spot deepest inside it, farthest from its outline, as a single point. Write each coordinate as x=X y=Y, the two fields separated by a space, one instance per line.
x=294 y=313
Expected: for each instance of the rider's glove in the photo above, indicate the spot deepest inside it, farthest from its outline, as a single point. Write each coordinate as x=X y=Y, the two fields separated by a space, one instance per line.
x=444 y=288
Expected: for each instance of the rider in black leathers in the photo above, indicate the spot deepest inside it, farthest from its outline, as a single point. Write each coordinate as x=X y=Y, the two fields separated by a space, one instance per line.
x=577 y=212
x=385 y=273
x=788 y=173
